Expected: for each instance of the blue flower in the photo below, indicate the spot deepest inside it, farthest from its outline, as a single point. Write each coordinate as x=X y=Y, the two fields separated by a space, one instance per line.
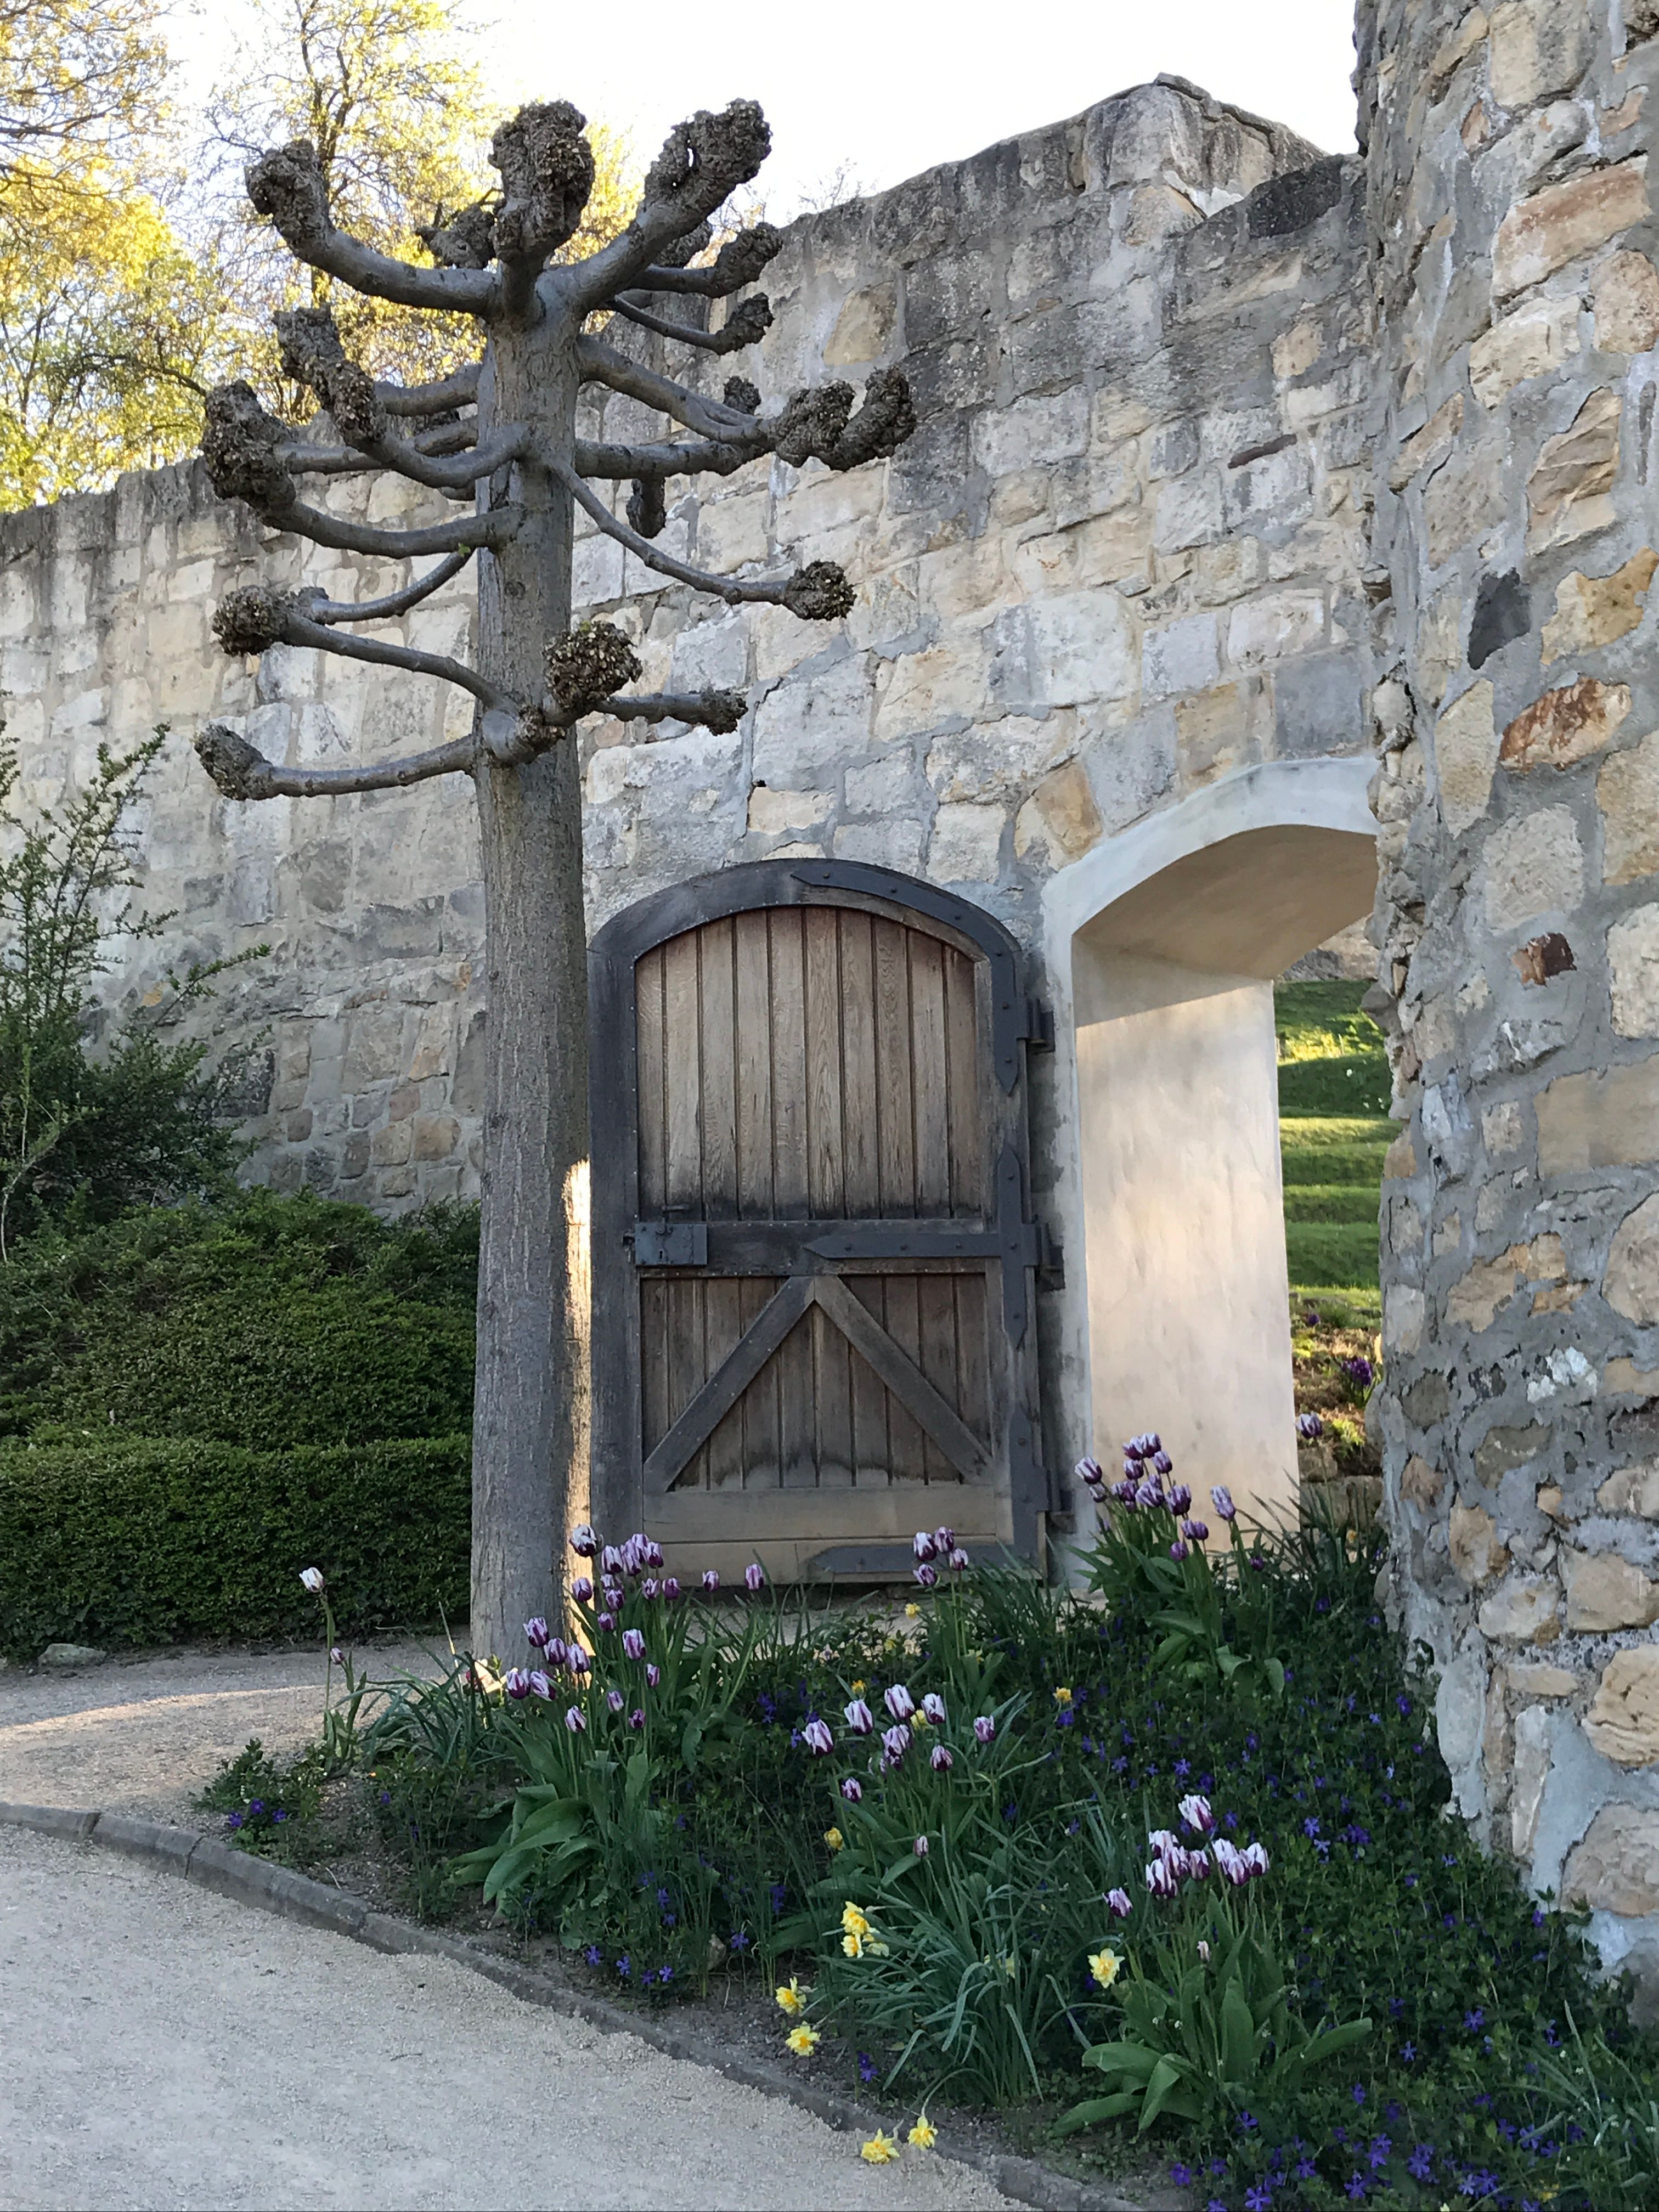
x=1310 y=1826
x=778 y=1893
x=1259 y=2198
x=1182 y=1768
x=1359 y=2093
x=1377 y=2156
x=594 y=1956
x=1408 y=2052
x=279 y=1815
x=1305 y=2170
x=1181 y=2175
x=1538 y=1916
x=258 y=1806
x=625 y=1965
x=1357 y=2187
x=868 y=2068
x=1421 y=2164
x=233 y=1820
x=739 y=1939
x=1247 y=2122
x=1474 y=2018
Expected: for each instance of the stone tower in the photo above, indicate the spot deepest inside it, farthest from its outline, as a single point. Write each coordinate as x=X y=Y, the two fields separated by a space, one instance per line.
x=1518 y=922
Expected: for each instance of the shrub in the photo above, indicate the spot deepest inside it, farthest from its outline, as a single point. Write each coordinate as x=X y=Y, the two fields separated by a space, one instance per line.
x=260 y=1320
x=116 y=1539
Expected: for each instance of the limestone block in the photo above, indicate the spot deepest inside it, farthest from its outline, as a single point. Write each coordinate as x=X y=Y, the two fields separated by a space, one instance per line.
x=436 y=1135
x=1525 y=1609
x=391 y=1146
x=712 y=654
x=811 y=725
x=1616 y=1868
x=1033 y=431
x=1605 y=1591
x=1428 y=447
x=996 y=760
x=1460 y=1702
x=1623 y=1720
x=1630 y=1285
x=1566 y=222
x=1626 y=302
x=1501 y=1128
x=966 y=845
x=1084 y=646
x=895 y=843
x=1632 y=1492
x=1400 y=1161
x=1061 y=815
x=1568 y=490
x=1624 y=1375
x=1533 y=342
x=1536 y=1678
x=863 y=328
x=1402 y=1317
x=1531 y=1772
x=1104 y=550
x=882 y=788
x=771 y=812
x=1439 y=649
x=1565 y=726
x=1157 y=212
x=731 y=533
x=1182 y=656
x=1477 y=1552
x=1633 y=963
x=1601 y=1119
x=1464 y=499
x=919 y=690
x=1537 y=50
x=1189 y=512
x=1627 y=792
x=1533 y=865
x=1420 y=1485
x=1594 y=610
x=956 y=581
x=1473 y=1302
x=1278 y=624
x=1466 y=758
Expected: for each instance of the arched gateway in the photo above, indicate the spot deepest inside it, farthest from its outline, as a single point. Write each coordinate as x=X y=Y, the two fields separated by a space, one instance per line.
x=813 y=1247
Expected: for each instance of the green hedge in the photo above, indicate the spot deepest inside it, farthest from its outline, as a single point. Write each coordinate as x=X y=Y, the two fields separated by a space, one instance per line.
x=124 y=1540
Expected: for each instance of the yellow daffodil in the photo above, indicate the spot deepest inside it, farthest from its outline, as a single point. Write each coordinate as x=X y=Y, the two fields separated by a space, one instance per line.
x=876 y=1950
x=834 y=1838
x=853 y=1945
x=918 y=1719
x=803 y=2041
x=1104 y=1966
x=1062 y=1697
x=854 y=1921
x=1010 y=1968
x=791 y=1998
x=911 y=1612
x=858 y=1689
x=924 y=2135
x=880 y=2150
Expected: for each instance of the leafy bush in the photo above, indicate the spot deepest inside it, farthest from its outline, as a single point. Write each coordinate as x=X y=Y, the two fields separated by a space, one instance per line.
x=84 y=1136
x=115 y=1539
x=259 y=1321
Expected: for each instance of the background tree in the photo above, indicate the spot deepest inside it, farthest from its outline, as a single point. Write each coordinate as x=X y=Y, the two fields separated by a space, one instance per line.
x=502 y=432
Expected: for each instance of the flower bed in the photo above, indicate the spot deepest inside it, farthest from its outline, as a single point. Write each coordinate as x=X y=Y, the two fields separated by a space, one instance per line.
x=1163 y=1865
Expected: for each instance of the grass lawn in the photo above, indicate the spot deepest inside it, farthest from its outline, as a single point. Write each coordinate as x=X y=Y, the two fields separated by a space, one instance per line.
x=1334 y=1132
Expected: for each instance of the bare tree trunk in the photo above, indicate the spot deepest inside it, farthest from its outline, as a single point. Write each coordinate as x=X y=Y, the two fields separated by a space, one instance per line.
x=530 y=1420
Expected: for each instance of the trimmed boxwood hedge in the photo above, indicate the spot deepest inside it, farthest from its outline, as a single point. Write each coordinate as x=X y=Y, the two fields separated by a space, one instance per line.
x=116 y=1539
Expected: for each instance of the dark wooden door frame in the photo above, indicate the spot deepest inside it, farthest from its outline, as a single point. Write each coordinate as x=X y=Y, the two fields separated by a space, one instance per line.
x=623 y=1482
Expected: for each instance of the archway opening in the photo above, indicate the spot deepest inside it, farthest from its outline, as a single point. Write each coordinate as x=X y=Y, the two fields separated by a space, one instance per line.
x=1177 y=1068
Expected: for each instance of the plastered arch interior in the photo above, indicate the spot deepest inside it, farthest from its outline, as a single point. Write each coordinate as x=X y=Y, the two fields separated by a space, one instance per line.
x=1163 y=943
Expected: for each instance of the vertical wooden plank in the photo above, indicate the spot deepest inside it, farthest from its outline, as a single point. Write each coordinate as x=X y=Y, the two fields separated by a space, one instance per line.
x=723 y=1326
x=826 y=1190
x=683 y=1072
x=963 y=1080
x=906 y=1444
x=789 y=1109
x=759 y=1403
x=648 y=1015
x=832 y=1390
x=752 y=1015
x=859 y=1114
x=927 y=1055
x=655 y=1418
x=797 y=1436
x=872 y=1452
x=895 y=1130
x=937 y=1313
x=718 y=985
x=686 y=1372
x=973 y=1353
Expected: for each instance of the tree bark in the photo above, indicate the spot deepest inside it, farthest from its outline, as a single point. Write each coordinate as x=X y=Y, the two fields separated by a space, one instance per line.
x=531 y=1414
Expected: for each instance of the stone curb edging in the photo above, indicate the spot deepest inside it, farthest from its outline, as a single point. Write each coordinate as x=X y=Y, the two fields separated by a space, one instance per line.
x=256 y=1882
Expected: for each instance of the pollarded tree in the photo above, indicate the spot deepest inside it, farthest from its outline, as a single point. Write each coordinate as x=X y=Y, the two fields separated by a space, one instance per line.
x=502 y=435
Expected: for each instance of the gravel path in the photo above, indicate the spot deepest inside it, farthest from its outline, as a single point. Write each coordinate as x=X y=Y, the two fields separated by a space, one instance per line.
x=164 y=2047
x=144 y=1735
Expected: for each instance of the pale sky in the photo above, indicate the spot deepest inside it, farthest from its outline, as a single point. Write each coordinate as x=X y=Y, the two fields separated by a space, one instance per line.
x=887 y=87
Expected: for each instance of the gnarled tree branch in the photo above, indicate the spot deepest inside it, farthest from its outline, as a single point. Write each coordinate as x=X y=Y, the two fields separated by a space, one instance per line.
x=287 y=185
x=819 y=593
x=460 y=390
x=738 y=262
x=703 y=161
x=251 y=620
x=598 y=363
x=746 y=327
x=242 y=771
x=665 y=460
x=719 y=711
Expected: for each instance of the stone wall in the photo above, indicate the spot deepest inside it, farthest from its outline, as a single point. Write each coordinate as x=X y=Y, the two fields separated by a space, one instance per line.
x=1121 y=557
x=1518 y=804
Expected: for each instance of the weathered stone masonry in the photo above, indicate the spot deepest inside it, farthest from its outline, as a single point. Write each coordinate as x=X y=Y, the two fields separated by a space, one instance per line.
x=1517 y=309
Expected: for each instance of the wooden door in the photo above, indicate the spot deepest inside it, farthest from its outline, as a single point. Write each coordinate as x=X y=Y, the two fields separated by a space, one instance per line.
x=814 y=1328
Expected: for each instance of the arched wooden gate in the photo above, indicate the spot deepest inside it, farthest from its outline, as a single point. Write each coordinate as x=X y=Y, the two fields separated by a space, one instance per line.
x=814 y=1329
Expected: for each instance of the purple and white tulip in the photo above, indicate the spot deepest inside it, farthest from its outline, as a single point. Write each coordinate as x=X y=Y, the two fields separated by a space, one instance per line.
x=611 y=1562
x=583 y=1542
x=1222 y=1499
x=958 y=1561
x=1119 y=1901
x=859 y=1718
x=1161 y=1878
x=1196 y=1532
x=632 y=1644
x=985 y=1729
x=540 y=1687
x=577 y=1660
x=516 y=1682
x=671 y=1588
x=636 y=1718
x=945 y=1540
x=852 y=1789
x=1180 y=1497
x=919 y=1847
x=649 y=1586
x=1180 y=1549
x=312 y=1579
x=536 y=1631
x=933 y=1706
x=652 y=1553
x=927 y=1575
x=940 y=1760
x=605 y=1623
x=922 y=1544
x=817 y=1737
x=711 y=1580
x=575 y=1720
x=894 y=1742
x=652 y=1675
x=615 y=1700
x=558 y=1652
x=899 y=1702
x=753 y=1577
x=1196 y=1812
x=582 y=1588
